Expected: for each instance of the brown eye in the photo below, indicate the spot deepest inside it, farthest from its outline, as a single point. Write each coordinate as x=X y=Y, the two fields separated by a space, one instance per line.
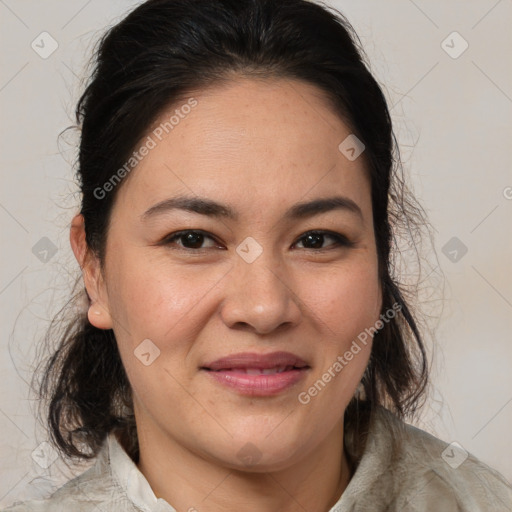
x=315 y=240
x=190 y=239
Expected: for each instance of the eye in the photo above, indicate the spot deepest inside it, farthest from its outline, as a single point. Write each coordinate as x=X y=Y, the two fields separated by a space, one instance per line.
x=315 y=239
x=193 y=240
x=190 y=239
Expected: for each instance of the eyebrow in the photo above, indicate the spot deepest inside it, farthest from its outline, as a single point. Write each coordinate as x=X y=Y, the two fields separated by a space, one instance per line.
x=212 y=208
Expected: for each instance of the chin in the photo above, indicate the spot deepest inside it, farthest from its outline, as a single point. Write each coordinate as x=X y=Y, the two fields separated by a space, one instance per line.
x=250 y=459
x=260 y=453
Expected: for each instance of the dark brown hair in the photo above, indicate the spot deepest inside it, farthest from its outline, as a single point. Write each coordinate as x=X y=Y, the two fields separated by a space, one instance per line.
x=158 y=53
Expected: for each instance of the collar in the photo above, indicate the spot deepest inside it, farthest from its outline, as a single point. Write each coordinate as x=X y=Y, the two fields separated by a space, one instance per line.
x=375 y=458
x=132 y=481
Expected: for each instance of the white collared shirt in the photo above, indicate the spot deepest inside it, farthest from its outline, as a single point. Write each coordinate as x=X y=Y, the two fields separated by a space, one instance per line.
x=425 y=475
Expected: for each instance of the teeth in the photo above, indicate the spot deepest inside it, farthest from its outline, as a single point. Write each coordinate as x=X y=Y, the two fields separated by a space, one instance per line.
x=266 y=371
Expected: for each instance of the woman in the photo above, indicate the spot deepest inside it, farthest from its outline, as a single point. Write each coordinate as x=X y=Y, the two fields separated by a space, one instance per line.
x=246 y=345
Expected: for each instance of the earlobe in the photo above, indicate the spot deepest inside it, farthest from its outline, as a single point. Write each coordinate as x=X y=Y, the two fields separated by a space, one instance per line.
x=98 y=314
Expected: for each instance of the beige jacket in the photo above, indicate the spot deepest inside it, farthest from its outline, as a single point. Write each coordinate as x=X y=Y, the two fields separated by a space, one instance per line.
x=428 y=475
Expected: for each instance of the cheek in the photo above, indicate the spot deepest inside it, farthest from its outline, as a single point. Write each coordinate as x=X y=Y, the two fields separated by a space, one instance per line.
x=149 y=302
x=153 y=301
x=346 y=300
x=346 y=305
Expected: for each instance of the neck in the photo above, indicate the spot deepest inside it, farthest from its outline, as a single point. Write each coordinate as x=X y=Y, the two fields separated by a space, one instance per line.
x=189 y=482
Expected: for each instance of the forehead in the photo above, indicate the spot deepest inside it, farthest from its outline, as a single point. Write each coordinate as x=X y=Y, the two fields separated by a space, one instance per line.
x=263 y=140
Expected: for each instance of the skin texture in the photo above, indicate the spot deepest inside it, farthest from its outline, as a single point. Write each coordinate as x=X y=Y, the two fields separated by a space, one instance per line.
x=259 y=146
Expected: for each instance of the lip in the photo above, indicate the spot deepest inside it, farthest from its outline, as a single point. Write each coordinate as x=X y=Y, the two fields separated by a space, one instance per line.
x=256 y=374
x=254 y=360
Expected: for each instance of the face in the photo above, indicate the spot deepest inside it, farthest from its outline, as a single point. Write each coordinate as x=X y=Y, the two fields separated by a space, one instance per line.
x=228 y=318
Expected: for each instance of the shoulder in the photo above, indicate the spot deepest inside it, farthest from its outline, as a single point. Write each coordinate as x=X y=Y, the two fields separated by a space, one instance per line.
x=71 y=496
x=450 y=470
x=88 y=492
x=425 y=473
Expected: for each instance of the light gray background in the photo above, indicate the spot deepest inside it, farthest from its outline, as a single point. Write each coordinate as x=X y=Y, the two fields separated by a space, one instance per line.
x=452 y=117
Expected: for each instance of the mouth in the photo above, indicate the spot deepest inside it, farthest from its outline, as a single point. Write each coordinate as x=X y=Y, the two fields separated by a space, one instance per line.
x=256 y=371
x=258 y=374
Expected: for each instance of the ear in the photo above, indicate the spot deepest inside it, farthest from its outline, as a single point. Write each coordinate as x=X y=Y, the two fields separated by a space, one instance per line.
x=99 y=313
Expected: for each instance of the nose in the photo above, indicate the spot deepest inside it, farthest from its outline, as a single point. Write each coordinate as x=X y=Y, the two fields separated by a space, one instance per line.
x=259 y=297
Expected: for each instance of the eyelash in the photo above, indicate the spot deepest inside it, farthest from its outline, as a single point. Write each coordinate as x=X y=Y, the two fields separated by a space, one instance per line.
x=340 y=240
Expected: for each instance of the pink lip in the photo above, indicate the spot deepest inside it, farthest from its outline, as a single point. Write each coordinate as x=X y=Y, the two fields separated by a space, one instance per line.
x=243 y=372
